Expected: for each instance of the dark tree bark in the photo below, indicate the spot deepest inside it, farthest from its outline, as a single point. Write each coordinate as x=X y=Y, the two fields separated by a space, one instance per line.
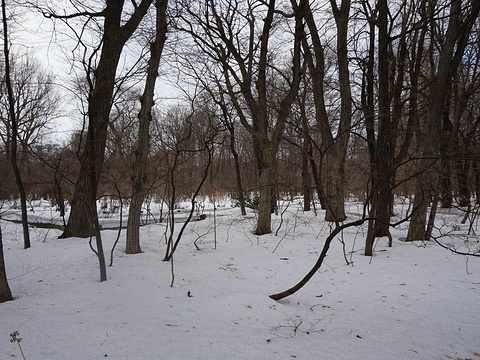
x=14 y=132
x=145 y=117
x=367 y=94
x=459 y=27
x=244 y=56
x=238 y=174
x=308 y=160
x=476 y=172
x=316 y=170
x=5 y=293
x=334 y=149
x=447 y=142
x=57 y=186
x=462 y=167
x=336 y=154
x=115 y=35
x=220 y=99
x=383 y=155
x=306 y=182
x=391 y=86
x=318 y=264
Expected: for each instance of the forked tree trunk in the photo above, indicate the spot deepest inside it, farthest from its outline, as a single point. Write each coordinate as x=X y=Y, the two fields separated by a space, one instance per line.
x=334 y=147
x=145 y=117
x=102 y=82
x=5 y=293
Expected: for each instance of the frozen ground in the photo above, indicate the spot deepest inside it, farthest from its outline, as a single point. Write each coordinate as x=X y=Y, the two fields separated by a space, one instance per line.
x=410 y=301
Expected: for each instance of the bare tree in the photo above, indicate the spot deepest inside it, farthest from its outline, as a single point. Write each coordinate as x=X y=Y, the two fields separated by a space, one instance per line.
x=236 y=35
x=334 y=137
x=387 y=150
x=145 y=117
x=118 y=26
x=36 y=102
x=460 y=22
x=14 y=129
x=189 y=147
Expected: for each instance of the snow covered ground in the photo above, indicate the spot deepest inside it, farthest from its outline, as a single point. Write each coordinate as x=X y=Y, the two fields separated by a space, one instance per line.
x=410 y=301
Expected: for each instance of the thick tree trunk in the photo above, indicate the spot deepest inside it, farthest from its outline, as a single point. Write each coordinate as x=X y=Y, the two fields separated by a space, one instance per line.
x=5 y=293
x=145 y=117
x=337 y=151
x=384 y=147
x=265 y=206
x=383 y=156
x=80 y=222
x=133 y=225
x=334 y=182
x=416 y=229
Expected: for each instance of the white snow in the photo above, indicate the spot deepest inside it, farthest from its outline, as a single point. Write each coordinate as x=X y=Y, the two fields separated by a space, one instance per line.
x=411 y=301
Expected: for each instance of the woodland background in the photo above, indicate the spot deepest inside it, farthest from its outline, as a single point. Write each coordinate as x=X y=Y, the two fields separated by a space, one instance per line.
x=333 y=100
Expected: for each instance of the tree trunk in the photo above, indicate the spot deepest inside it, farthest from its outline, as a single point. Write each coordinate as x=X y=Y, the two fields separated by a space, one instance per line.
x=115 y=35
x=383 y=156
x=133 y=225
x=145 y=117
x=316 y=179
x=5 y=293
x=338 y=151
x=238 y=175
x=462 y=170
x=306 y=183
x=14 y=132
x=80 y=222
x=416 y=229
x=334 y=148
x=476 y=172
x=265 y=203
x=449 y=59
x=334 y=182
x=446 y=197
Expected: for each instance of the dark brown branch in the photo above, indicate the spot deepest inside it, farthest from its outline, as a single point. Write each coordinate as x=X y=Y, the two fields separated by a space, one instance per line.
x=319 y=262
